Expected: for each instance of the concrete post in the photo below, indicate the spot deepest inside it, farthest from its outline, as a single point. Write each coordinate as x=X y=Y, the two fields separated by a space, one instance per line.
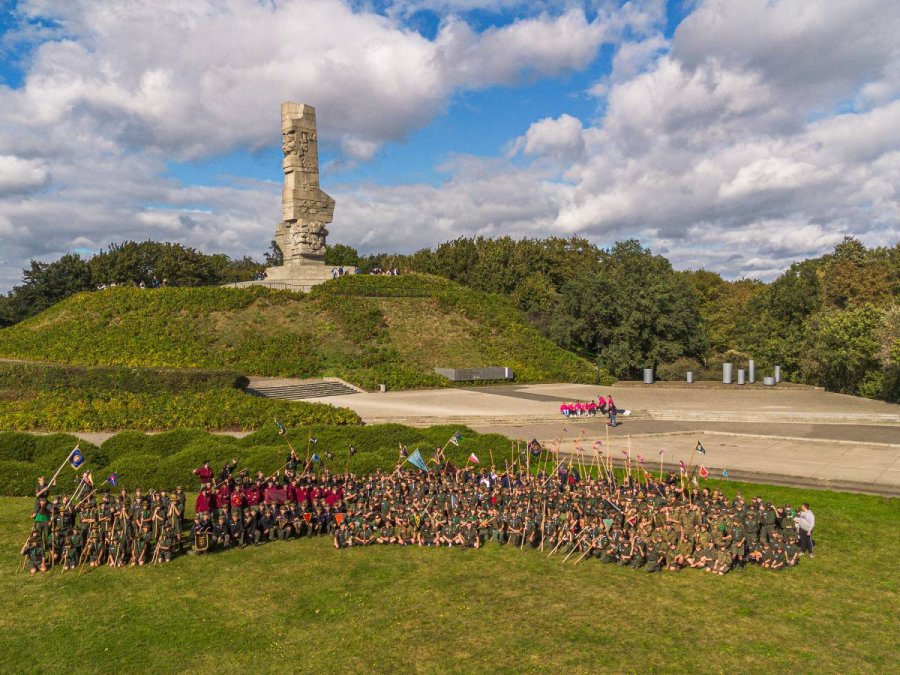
x=648 y=375
x=777 y=374
x=690 y=377
x=727 y=373
x=751 y=366
x=740 y=376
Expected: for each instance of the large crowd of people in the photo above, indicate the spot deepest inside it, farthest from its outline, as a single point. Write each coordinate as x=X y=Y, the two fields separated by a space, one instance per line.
x=632 y=520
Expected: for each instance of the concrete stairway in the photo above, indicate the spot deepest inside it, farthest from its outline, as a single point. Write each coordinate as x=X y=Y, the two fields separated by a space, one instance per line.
x=298 y=390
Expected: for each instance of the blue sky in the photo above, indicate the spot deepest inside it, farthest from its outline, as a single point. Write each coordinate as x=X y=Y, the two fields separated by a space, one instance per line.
x=733 y=136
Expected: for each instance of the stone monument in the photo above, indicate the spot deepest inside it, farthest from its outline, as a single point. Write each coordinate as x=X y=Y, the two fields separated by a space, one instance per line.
x=305 y=208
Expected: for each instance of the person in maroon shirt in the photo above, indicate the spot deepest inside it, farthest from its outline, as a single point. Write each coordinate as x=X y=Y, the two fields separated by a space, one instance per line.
x=251 y=495
x=203 y=504
x=204 y=473
x=223 y=498
x=302 y=495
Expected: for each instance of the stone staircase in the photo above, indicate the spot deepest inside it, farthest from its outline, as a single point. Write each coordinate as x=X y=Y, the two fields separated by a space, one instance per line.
x=298 y=390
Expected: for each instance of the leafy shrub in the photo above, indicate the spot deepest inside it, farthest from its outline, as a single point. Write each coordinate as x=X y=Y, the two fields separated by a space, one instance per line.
x=164 y=461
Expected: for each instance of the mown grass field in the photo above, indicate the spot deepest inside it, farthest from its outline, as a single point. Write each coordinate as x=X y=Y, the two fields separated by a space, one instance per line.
x=367 y=330
x=301 y=606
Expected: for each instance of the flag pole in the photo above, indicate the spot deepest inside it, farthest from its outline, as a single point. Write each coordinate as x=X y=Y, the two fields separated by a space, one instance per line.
x=56 y=475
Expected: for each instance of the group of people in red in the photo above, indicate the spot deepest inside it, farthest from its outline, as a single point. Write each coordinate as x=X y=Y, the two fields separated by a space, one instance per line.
x=604 y=405
x=227 y=492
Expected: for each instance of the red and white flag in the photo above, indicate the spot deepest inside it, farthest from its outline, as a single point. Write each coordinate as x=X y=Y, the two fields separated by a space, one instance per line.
x=703 y=472
x=473 y=458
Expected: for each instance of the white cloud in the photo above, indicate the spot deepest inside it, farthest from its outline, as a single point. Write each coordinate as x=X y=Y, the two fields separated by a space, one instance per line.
x=723 y=148
x=559 y=138
x=21 y=175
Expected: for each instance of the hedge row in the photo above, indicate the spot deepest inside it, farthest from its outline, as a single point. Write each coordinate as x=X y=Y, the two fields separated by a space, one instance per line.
x=55 y=377
x=69 y=398
x=164 y=461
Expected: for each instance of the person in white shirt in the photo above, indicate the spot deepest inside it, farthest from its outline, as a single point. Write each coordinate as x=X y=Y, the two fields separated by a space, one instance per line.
x=806 y=521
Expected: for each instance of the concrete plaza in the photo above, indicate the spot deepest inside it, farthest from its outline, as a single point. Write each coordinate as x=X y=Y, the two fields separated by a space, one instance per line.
x=790 y=435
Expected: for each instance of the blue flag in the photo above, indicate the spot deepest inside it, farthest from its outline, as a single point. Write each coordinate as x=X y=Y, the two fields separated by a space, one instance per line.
x=316 y=457
x=724 y=473
x=416 y=460
x=76 y=458
x=281 y=431
x=113 y=479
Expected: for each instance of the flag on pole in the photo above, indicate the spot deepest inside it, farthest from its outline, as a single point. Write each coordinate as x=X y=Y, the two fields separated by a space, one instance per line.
x=352 y=450
x=404 y=451
x=724 y=473
x=683 y=468
x=703 y=472
x=313 y=440
x=534 y=447
x=113 y=479
x=316 y=457
x=416 y=460
x=700 y=448
x=76 y=458
x=640 y=460
x=473 y=458
x=456 y=438
x=281 y=429
x=661 y=451
x=598 y=444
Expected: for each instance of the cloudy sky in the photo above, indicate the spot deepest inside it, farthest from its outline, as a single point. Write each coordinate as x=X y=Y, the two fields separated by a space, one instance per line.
x=736 y=135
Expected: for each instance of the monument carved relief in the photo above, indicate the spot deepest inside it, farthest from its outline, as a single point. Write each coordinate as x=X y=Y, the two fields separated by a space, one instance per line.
x=306 y=209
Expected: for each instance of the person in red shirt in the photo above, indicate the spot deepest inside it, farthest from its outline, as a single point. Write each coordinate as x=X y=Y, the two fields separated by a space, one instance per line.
x=204 y=473
x=203 y=504
x=251 y=495
x=237 y=500
x=223 y=498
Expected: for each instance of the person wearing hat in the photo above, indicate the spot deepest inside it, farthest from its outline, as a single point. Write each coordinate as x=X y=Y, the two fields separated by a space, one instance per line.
x=34 y=550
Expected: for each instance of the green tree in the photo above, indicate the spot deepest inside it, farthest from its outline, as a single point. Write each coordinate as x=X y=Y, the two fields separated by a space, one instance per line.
x=841 y=348
x=45 y=284
x=341 y=254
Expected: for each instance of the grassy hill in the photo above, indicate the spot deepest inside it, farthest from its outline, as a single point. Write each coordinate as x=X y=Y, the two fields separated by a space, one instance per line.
x=364 y=329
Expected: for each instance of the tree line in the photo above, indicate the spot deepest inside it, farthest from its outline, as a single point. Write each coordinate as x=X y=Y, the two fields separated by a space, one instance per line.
x=832 y=321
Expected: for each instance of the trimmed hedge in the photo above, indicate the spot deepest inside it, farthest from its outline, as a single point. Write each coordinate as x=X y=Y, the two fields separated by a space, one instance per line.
x=166 y=460
x=69 y=398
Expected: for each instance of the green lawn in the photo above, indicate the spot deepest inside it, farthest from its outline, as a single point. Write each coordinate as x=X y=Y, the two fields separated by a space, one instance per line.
x=302 y=606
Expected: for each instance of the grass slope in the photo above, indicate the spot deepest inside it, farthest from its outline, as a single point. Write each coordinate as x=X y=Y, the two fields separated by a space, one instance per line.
x=301 y=606
x=365 y=329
